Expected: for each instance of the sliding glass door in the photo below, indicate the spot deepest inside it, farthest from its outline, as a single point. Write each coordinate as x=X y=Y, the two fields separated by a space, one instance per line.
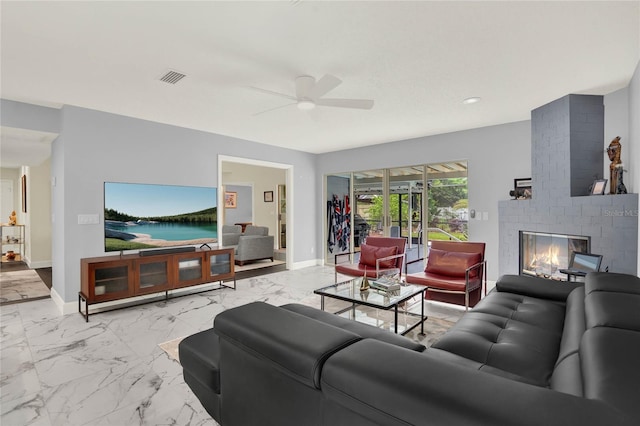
x=418 y=203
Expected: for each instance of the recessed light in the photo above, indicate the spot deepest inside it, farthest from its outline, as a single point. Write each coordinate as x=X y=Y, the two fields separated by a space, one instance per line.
x=472 y=100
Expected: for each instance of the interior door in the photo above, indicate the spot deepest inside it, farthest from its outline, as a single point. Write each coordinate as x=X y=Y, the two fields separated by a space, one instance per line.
x=282 y=216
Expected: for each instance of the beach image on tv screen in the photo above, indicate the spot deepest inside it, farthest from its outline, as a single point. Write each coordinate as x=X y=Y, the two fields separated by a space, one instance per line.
x=140 y=216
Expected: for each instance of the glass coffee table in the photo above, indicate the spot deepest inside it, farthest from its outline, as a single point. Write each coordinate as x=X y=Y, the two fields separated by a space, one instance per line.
x=349 y=291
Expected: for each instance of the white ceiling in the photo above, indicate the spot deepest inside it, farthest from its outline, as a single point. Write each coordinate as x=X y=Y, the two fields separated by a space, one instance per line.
x=417 y=60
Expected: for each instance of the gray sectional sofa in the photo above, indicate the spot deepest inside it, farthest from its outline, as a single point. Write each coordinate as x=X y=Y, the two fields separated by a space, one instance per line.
x=532 y=352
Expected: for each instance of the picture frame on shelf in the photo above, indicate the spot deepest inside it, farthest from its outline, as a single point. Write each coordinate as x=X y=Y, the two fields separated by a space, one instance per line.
x=521 y=189
x=598 y=186
x=268 y=196
x=230 y=200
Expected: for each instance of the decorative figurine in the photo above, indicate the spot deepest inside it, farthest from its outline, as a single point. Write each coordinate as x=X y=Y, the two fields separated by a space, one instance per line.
x=13 y=218
x=616 y=168
x=364 y=285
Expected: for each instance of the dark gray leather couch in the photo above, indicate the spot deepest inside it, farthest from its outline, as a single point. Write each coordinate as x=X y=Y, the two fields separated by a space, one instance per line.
x=533 y=352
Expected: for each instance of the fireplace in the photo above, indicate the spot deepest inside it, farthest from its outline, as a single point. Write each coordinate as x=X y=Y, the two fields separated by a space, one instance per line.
x=543 y=254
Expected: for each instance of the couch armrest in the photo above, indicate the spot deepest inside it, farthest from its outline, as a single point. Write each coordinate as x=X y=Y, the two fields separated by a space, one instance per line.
x=404 y=387
x=536 y=287
x=282 y=338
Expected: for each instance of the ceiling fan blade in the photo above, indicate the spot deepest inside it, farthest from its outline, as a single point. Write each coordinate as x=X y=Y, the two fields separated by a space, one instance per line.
x=272 y=109
x=346 y=103
x=269 y=92
x=324 y=86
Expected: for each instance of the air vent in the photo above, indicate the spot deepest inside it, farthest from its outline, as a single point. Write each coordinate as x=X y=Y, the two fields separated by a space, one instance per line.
x=172 y=77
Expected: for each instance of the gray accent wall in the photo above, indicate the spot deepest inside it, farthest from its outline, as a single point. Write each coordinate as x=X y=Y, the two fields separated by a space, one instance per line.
x=567 y=154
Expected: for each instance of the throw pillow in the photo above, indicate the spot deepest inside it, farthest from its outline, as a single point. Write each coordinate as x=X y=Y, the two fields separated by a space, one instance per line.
x=369 y=254
x=451 y=263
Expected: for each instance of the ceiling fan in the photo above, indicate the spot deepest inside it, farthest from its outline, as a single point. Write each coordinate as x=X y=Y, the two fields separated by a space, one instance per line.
x=309 y=94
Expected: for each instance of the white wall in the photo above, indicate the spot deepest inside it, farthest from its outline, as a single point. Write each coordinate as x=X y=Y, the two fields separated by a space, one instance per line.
x=38 y=250
x=495 y=156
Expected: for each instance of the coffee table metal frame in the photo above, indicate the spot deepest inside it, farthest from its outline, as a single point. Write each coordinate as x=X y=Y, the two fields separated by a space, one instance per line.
x=349 y=291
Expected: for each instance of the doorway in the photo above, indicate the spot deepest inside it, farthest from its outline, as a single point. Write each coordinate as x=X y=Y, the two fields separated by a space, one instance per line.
x=272 y=185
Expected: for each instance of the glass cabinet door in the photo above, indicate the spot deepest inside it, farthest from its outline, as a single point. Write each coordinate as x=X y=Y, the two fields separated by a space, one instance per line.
x=110 y=281
x=220 y=264
x=153 y=276
x=190 y=269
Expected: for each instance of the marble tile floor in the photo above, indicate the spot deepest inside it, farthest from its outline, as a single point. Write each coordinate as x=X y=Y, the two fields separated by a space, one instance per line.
x=60 y=370
x=16 y=286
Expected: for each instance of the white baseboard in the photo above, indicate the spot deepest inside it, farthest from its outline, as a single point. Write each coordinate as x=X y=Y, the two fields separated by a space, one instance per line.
x=306 y=264
x=40 y=264
x=65 y=308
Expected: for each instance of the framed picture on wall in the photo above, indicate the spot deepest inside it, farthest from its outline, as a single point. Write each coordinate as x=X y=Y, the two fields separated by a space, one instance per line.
x=268 y=196
x=230 y=200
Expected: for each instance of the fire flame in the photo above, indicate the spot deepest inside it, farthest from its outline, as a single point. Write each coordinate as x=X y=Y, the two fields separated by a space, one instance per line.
x=548 y=259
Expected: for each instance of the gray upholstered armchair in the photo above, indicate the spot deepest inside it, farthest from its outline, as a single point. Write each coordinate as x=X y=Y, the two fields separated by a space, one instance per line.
x=254 y=244
x=231 y=234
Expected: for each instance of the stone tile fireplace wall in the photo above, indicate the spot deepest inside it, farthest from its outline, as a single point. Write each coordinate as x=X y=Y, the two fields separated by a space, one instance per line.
x=567 y=143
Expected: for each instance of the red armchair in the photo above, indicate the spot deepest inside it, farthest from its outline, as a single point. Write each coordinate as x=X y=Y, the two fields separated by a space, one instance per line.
x=454 y=273
x=377 y=255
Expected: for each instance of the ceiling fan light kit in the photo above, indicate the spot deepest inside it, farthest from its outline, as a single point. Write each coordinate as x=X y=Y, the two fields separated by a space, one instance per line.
x=306 y=104
x=309 y=93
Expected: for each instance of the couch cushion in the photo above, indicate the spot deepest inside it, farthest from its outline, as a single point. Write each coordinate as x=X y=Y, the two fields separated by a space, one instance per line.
x=281 y=337
x=356 y=270
x=442 y=282
x=609 y=359
x=369 y=254
x=567 y=376
x=609 y=309
x=453 y=264
x=256 y=230
x=574 y=324
x=536 y=287
x=610 y=281
x=513 y=333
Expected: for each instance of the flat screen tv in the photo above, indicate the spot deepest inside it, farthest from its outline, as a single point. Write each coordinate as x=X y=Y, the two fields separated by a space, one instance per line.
x=143 y=216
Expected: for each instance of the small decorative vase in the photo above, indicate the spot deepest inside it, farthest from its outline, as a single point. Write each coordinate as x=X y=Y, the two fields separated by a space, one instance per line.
x=11 y=255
